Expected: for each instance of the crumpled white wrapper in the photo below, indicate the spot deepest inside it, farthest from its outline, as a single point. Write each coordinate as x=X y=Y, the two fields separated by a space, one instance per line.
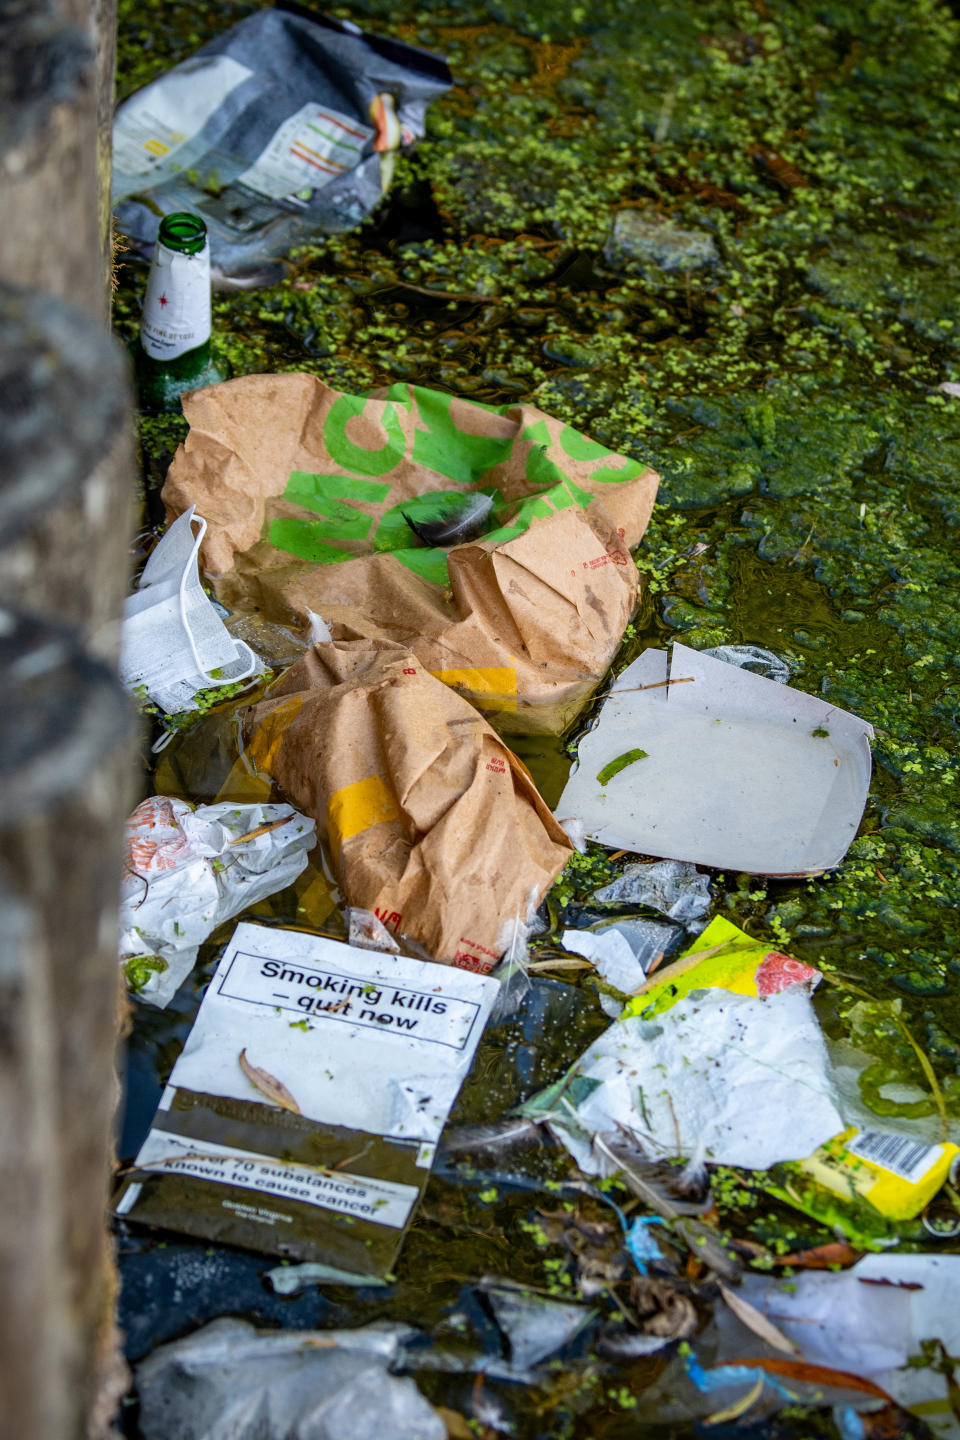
x=623 y=951
x=185 y=875
x=743 y=1080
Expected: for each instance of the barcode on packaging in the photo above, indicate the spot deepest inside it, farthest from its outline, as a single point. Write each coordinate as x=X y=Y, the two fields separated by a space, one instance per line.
x=903 y=1156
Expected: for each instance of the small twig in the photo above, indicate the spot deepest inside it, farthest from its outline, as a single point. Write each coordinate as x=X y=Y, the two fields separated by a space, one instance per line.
x=655 y=963
x=687 y=962
x=144 y=882
x=261 y=830
x=803 y=546
x=437 y=294
x=560 y=965
x=350 y=1158
x=660 y=685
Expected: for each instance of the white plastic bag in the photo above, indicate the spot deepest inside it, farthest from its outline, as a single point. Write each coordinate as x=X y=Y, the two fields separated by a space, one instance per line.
x=187 y=871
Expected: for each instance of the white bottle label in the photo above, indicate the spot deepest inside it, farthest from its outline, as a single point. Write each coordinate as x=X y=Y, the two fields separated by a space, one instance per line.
x=176 y=307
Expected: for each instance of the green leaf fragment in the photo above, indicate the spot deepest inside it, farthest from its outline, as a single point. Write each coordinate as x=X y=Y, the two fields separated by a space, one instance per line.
x=622 y=761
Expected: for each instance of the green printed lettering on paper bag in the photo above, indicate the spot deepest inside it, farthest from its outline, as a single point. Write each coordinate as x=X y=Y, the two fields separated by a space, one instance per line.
x=415 y=445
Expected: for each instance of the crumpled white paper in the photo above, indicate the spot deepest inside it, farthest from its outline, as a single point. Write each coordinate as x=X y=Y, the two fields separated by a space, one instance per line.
x=734 y=1069
x=174 y=642
x=747 y=1077
x=623 y=951
x=188 y=870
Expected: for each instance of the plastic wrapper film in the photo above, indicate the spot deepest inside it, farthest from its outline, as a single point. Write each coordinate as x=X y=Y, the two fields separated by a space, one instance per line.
x=307 y=494
x=753 y=658
x=678 y=890
x=431 y=822
x=188 y=870
x=282 y=128
x=293 y=1385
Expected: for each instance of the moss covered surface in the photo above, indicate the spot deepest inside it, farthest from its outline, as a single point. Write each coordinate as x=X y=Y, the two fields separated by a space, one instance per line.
x=719 y=237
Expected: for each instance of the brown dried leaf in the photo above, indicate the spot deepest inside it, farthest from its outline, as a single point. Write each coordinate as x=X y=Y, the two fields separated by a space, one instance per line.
x=268 y=1084
x=754 y=1320
x=661 y=1309
x=774 y=166
x=458 y=1427
x=817 y=1375
x=822 y=1257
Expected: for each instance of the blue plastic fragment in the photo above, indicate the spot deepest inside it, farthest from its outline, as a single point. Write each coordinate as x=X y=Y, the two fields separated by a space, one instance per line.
x=642 y=1243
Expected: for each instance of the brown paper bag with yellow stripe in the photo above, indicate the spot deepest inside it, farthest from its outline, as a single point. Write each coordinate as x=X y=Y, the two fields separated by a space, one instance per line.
x=427 y=817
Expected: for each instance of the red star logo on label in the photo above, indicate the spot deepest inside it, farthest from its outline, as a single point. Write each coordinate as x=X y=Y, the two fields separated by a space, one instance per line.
x=163 y=300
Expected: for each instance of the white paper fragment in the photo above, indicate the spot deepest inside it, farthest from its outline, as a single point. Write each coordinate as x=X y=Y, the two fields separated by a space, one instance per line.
x=187 y=871
x=622 y=952
x=368 y=932
x=291 y=1279
x=174 y=642
x=230 y=1379
x=318 y=631
x=740 y=773
x=747 y=1077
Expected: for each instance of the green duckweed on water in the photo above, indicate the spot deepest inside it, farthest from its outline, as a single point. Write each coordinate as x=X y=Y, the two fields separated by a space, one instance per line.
x=721 y=238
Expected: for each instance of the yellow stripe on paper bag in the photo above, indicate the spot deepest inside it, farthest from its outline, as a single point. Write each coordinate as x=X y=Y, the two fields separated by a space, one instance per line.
x=264 y=747
x=494 y=687
x=356 y=807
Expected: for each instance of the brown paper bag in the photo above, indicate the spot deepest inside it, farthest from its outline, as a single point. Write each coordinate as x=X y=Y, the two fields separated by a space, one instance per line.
x=430 y=821
x=306 y=492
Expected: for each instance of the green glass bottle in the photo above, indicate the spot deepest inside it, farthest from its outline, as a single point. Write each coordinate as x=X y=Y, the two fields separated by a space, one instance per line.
x=174 y=353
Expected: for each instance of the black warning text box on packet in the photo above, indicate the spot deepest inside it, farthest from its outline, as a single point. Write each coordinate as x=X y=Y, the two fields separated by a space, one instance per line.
x=321 y=992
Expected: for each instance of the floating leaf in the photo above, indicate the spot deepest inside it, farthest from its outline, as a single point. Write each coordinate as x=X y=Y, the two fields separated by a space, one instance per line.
x=268 y=1084
x=750 y=1316
x=621 y=763
x=822 y=1257
x=739 y=1407
x=817 y=1375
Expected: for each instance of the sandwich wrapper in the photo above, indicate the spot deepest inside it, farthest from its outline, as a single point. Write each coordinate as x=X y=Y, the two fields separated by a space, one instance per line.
x=306 y=494
x=303 y=1114
x=711 y=1059
x=188 y=870
x=694 y=759
x=430 y=821
x=284 y=127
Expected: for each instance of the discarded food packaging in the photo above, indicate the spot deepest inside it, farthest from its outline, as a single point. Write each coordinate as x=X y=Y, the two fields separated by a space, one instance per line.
x=737 y=771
